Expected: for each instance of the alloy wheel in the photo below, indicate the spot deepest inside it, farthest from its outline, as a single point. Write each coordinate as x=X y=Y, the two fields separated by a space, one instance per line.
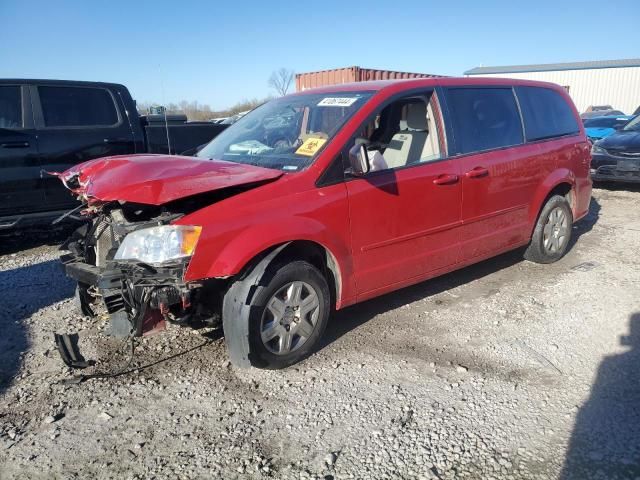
x=556 y=231
x=289 y=318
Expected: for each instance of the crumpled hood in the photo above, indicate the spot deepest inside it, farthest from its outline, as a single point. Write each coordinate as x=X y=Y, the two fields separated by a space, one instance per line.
x=158 y=179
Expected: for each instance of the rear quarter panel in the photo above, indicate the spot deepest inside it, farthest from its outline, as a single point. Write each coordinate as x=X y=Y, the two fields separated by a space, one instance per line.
x=580 y=163
x=577 y=160
x=571 y=158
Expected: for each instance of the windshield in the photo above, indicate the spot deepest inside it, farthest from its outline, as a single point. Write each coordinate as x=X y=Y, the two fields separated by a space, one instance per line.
x=633 y=124
x=605 y=122
x=287 y=133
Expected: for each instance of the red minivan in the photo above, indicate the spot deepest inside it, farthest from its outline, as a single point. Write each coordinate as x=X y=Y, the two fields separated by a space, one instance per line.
x=325 y=198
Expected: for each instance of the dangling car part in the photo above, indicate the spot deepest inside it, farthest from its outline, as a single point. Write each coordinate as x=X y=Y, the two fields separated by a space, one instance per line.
x=67 y=345
x=139 y=291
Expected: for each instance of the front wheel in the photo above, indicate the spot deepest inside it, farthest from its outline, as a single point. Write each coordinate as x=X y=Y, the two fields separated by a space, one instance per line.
x=552 y=232
x=287 y=315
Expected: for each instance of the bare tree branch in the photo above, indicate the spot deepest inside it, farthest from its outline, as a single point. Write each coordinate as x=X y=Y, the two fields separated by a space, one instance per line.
x=281 y=80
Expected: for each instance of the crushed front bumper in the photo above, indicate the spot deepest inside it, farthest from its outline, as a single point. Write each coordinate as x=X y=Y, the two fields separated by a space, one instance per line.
x=139 y=298
x=90 y=274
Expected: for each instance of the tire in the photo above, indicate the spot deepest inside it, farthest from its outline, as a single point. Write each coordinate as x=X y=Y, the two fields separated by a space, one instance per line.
x=278 y=341
x=552 y=233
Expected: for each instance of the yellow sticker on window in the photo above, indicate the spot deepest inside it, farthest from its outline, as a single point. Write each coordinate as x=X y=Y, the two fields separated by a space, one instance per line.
x=310 y=146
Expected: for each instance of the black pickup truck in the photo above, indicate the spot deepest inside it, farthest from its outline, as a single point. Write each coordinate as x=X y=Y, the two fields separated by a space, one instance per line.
x=50 y=125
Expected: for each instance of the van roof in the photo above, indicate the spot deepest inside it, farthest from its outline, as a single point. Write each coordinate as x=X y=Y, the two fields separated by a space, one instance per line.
x=378 y=85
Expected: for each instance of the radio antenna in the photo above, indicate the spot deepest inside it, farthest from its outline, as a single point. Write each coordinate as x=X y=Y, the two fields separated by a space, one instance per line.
x=164 y=108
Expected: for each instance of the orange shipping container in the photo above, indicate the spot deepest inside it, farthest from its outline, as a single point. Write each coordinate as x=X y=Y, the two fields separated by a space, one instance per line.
x=308 y=80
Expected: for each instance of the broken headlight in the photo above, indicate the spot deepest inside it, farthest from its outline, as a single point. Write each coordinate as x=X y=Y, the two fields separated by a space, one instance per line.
x=159 y=244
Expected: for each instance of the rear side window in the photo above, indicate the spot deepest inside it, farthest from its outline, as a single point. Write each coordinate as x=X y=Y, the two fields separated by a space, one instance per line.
x=10 y=107
x=546 y=113
x=484 y=118
x=77 y=107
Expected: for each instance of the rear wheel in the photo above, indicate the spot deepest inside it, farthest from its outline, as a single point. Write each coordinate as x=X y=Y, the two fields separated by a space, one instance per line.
x=552 y=232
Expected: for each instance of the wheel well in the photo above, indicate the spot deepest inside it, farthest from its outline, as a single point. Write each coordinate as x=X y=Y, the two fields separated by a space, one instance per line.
x=309 y=251
x=563 y=189
x=319 y=257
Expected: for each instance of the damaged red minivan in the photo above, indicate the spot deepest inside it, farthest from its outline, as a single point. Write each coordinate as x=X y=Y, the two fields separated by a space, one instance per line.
x=325 y=198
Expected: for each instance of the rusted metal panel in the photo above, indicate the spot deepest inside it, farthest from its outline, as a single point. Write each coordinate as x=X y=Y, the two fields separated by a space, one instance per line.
x=321 y=78
x=305 y=81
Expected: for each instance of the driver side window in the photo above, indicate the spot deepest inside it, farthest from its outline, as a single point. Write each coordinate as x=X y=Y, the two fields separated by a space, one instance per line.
x=404 y=133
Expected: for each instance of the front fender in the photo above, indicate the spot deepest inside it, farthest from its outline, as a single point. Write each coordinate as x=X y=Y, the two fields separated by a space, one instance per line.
x=232 y=257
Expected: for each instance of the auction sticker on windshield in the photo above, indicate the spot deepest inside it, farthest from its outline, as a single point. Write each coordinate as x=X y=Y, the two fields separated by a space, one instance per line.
x=337 y=101
x=310 y=146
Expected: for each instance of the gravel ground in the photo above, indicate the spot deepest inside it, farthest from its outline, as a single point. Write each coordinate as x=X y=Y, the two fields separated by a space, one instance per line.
x=506 y=369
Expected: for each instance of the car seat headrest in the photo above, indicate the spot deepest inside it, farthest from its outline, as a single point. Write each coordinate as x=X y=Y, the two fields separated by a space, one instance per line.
x=417 y=116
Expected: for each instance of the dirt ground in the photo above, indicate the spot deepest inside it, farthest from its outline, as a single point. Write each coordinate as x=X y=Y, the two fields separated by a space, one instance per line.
x=504 y=370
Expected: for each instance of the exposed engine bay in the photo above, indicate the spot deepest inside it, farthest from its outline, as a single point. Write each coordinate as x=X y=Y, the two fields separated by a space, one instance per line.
x=138 y=297
x=132 y=252
x=119 y=256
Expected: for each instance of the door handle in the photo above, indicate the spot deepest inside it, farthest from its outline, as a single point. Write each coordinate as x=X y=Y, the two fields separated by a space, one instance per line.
x=477 y=172
x=14 y=144
x=116 y=140
x=446 y=179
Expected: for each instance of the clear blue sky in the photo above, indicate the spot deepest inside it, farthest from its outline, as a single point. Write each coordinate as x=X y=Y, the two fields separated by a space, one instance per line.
x=223 y=52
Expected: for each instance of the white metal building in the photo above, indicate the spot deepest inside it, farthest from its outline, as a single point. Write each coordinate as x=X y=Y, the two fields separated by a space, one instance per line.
x=607 y=82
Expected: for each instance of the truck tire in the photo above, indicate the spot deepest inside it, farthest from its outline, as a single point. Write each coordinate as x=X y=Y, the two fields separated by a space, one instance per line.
x=279 y=319
x=552 y=233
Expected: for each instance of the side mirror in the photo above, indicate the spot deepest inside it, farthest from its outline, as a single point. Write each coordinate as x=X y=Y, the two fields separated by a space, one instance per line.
x=359 y=160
